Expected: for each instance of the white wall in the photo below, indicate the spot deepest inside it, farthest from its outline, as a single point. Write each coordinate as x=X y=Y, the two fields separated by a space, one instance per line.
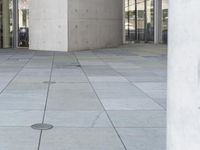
x=48 y=25
x=95 y=24
x=184 y=75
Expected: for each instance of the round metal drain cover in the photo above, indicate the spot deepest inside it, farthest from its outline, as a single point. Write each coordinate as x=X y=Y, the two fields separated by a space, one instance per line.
x=42 y=126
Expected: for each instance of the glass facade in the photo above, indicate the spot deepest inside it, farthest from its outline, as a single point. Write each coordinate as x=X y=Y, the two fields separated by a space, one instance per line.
x=8 y=23
x=149 y=20
x=23 y=11
x=164 y=21
x=130 y=20
x=6 y=26
x=139 y=20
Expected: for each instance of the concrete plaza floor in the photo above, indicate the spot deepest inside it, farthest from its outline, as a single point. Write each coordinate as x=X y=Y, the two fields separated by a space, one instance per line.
x=107 y=99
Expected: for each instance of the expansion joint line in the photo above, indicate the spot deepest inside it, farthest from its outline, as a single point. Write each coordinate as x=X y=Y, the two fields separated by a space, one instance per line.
x=17 y=73
x=47 y=96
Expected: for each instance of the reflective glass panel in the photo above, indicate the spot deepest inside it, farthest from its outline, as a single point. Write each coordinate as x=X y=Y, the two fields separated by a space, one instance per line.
x=150 y=20
x=139 y=20
x=164 y=20
x=23 y=35
x=6 y=23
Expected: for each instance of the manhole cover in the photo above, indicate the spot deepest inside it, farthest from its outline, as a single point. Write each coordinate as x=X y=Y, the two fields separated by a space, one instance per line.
x=42 y=126
x=47 y=82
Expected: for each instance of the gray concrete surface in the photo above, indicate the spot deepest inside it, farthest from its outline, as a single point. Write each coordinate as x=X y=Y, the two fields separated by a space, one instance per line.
x=106 y=99
x=75 y=24
x=184 y=76
x=48 y=28
x=95 y=24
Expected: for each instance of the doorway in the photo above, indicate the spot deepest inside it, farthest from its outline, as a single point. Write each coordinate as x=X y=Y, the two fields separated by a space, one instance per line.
x=14 y=23
x=139 y=21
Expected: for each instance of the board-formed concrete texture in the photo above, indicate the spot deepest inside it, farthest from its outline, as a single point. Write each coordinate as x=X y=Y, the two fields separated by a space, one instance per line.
x=84 y=24
x=48 y=25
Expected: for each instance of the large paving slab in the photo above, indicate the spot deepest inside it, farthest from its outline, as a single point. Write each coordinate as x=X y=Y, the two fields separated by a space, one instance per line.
x=72 y=96
x=78 y=119
x=143 y=138
x=106 y=99
x=81 y=139
x=18 y=138
x=138 y=118
x=22 y=118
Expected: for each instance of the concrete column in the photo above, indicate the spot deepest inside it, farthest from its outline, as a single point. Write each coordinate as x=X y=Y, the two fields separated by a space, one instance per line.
x=157 y=21
x=15 y=23
x=6 y=24
x=124 y=31
x=95 y=24
x=48 y=28
x=184 y=75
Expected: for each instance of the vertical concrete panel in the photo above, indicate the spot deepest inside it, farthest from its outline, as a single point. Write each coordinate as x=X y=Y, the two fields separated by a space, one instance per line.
x=49 y=25
x=92 y=24
x=158 y=22
x=183 y=75
x=6 y=24
x=98 y=24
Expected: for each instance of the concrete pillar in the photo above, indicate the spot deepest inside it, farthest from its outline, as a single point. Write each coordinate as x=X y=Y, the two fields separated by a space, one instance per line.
x=157 y=21
x=15 y=23
x=124 y=14
x=184 y=75
x=48 y=28
x=6 y=24
x=95 y=24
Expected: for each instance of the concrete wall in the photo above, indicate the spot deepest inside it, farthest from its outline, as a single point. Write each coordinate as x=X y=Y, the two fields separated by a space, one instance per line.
x=48 y=25
x=91 y=24
x=95 y=24
x=184 y=75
